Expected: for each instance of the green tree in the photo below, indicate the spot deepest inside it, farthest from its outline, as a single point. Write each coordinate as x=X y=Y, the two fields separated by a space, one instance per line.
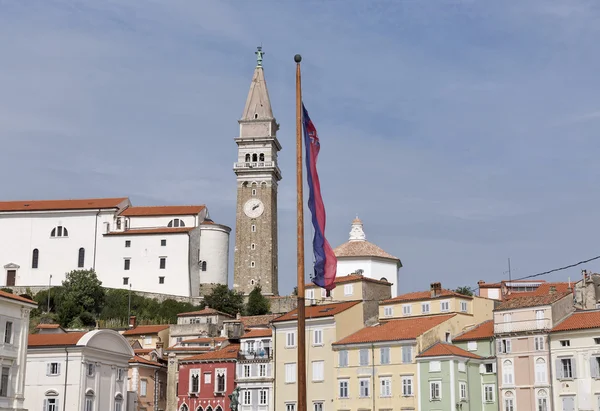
x=81 y=299
x=258 y=304
x=225 y=300
x=464 y=290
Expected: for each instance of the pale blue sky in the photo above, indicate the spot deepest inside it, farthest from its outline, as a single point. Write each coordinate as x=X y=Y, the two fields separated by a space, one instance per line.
x=461 y=132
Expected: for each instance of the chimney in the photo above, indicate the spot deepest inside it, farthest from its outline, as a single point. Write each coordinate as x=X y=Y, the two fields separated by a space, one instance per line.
x=480 y=283
x=159 y=348
x=552 y=289
x=132 y=322
x=436 y=289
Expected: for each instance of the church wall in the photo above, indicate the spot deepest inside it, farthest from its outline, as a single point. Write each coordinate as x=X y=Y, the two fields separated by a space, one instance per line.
x=214 y=249
x=372 y=268
x=161 y=221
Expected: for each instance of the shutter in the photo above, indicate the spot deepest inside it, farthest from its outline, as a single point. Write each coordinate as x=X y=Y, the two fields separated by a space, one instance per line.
x=574 y=366
x=498 y=346
x=58 y=368
x=45 y=405
x=481 y=368
x=494 y=367
x=508 y=347
x=559 y=369
x=57 y=407
x=47 y=372
x=594 y=367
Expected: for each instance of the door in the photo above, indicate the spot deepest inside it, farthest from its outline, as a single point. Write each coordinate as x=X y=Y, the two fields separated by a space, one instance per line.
x=568 y=403
x=11 y=276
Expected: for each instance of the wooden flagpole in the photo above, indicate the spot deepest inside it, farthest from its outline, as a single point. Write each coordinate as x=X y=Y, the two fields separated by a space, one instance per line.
x=301 y=365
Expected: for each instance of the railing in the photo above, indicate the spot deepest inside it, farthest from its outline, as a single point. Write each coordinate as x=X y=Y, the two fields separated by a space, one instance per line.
x=521 y=326
x=254 y=164
x=262 y=354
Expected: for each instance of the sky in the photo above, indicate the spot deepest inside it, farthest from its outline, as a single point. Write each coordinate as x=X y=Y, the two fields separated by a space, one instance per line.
x=462 y=133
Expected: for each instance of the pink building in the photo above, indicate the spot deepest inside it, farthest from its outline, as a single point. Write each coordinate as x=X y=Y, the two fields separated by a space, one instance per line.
x=521 y=328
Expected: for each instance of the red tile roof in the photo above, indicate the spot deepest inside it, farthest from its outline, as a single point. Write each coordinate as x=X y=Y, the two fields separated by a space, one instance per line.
x=203 y=340
x=206 y=311
x=424 y=295
x=351 y=278
x=229 y=352
x=444 y=349
x=395 y=330
x=258 y=320
x=531 y=301
x=257 y=333
x=579 y=320
x=143 y=351
x=162 y=210
x=141 y=360
x=50 y=205
x=16 y=297
x=191 y=348
x=148 y=231
x=318 y=311
x=54 y=340
x=146 y=329
x=47 y=326
x=482 y=331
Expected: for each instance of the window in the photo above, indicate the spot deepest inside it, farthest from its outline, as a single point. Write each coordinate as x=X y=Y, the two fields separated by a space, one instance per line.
x=51 y=404
x=363 y=357
x=90 y=369
x=52 y=368
x=253 y=246
x=126 y=264
x=290 y=373
x=246 y=370
x=462 y=390
x=127 y=243
x=262 y=397
x=125 y=280
x=161 y=280
x=364 y=385
x=253 y=191
x=348 y=289
x=194 y=381
x=252 y=264
x=472 y=346
x=448 y=337
x=317 y=406
x=385 y=387
x=4 y=382
x=343 y=388
x=508 y=372
x=261 y=157
x=81 y=258
x=388 y=311
x=343 y=358
x=489 y=368
x=163 y=263
x=89 y=402
x=290 y=340
x=540 y=371
x=253 y=228
x=435 y=366
x=176 y=222
x=207 y=378
x=435 y=390
x=406 y=354
x=247 y=397
x=406 y=309
x=444 y=306
x=290 y=406
x=143 y=387
x=120 y=374
x=503 y=346
x=310 y=294
x=35 y=258
x=318 y=370
x=565 y=368
x=254 y=156
x=565 y=343
x=488 y=392
x=425 y=308
x=539 y=343
x=8 y=332
x=163 y=242
x=539 y=317
x=407 y=386
x=59 y=231
x=323 y=293
x=318 y=337
x=542 y=400
x=203 y=266
x=384 y=355
x=509 y=404
x=463 y=306
x=220 y=381
x=118 y=405
x=262 y=370
x=461 y=366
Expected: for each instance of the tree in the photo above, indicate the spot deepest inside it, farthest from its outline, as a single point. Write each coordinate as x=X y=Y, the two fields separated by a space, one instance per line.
x=258 y=304
x=225 y=300
x=466 y=290
x=81 y=299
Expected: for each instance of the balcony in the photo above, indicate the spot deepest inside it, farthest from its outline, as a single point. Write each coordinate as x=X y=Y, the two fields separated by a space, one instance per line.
x=522 y=326
x=261 y=164
x=261 y=354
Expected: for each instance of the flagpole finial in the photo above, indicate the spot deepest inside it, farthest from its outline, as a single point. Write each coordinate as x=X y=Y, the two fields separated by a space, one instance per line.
x=259 y=56
x=297 y=58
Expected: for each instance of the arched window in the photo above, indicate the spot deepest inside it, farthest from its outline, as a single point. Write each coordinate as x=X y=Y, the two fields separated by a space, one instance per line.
x=59 y=231
x=261 y=157
x=199 y=408
x=51 y=401
x=184 y=407
x=218 y=408
x=542 y=400
x=203 y=267
x=176 y=222
x=254 y=157
x=221 y=382
x=89 y=400
x=247 y=158
x=35 y=258
x=508 y=372
x=540 y=371
x=118 y=402
x=81 y=258
x=209 y=408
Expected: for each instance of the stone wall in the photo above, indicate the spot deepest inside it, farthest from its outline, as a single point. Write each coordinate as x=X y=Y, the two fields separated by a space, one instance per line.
x=283 y=304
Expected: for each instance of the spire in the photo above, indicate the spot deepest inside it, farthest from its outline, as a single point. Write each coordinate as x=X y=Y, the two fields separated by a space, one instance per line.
x=356 y=232
x=258 y=104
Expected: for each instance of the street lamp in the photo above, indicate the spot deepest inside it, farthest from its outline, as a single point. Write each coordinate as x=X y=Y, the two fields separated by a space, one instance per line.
x=49 y=287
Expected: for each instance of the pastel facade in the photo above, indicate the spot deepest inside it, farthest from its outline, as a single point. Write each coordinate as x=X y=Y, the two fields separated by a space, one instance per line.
x=167 y=250
x=255 y=372
x=14 y=327
x=148 y=336
x=500 y=291
x=147 y=383
x=77 y=371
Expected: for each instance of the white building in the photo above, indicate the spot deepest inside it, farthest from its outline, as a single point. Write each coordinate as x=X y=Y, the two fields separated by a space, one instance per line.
x=254 y=374
x=77 y=371
x=167 y=250
x=14 y=320
x=360 y=256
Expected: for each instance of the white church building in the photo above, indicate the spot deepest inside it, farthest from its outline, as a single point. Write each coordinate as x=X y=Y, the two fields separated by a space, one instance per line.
x=360 y=256
x=174 y=250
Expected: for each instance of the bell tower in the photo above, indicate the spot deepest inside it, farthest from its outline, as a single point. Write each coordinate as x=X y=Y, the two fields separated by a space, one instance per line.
x=257 y=171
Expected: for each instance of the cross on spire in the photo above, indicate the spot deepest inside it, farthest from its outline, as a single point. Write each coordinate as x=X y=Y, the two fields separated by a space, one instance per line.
x=259 y=56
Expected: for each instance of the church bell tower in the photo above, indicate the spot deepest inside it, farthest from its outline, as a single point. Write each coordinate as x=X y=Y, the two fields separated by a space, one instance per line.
x=257 y=171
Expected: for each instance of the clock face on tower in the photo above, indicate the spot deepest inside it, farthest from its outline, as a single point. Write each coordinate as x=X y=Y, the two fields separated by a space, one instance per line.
x=254 y=208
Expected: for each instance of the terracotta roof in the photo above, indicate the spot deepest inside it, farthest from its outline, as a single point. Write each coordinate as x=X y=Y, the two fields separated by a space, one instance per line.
x=206 y=311
x=16 y=297
x=530 y=301
x=47 y=326
x=318 y=311
x=258 y=320
x=203 y=340
x=158 y=230
x=257 y=333
x=162 y=210
x=498 y=285
x=352 y=278
x=141 y=360
x=192 y=348
x=229 y=352
x=146 y=329
x=54 y=340
x=395 y=330
x=423 y=295
x=481 y=331
x=362 y=248
x=444 y=349
x=49 y=205
x=143 y=351
x=579 y=320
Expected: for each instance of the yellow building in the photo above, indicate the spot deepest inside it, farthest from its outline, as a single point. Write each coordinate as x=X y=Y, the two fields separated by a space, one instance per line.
x=325 y=324
x=146 y=335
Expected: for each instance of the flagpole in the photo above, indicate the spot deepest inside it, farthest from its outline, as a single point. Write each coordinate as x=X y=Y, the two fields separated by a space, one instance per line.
x=301 y=366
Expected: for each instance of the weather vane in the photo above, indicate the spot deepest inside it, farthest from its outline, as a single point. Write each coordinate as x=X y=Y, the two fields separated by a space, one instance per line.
x=259 y=56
